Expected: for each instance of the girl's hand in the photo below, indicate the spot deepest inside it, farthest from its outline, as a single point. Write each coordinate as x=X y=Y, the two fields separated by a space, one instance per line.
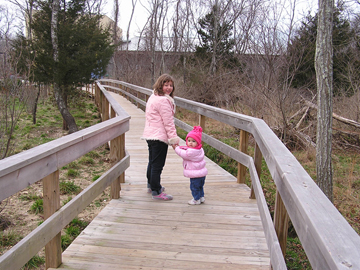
x=174 y=146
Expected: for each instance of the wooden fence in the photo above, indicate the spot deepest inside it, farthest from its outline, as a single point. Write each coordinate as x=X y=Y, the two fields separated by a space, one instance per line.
x=327 y=238
x=43 y=163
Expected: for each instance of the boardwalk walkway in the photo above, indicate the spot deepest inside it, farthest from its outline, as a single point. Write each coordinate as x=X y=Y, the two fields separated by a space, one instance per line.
x=136 y=232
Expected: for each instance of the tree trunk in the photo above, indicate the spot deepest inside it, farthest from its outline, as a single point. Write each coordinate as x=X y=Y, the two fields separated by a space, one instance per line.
x=324 y=79
x=35 y=104
x=57 y=90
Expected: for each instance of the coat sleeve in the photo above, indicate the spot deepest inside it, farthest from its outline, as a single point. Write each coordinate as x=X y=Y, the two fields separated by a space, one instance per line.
x=167 y=115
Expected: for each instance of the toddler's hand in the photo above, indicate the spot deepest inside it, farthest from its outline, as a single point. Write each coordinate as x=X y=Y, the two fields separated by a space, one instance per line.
x=174 y=146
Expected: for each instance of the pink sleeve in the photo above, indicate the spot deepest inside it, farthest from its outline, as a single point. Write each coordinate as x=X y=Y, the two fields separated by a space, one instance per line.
x=167 y=115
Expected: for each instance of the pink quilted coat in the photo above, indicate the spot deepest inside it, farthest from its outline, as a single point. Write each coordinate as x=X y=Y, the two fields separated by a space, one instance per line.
x=193 y=161
x=159 y=124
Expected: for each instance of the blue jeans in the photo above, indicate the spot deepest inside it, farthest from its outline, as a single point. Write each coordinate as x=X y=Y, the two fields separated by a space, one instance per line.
x=197 y=187
x=157 y=156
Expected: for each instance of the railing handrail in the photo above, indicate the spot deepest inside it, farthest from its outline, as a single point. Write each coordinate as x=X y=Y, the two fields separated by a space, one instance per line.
x=22 y=170
x=328 y=239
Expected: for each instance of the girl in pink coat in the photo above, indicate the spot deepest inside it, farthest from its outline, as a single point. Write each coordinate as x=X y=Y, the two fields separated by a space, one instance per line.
x=159 y=133
x=194 y=164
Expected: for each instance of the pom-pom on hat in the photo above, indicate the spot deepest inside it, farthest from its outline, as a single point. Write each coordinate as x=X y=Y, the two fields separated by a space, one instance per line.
x=196 y=135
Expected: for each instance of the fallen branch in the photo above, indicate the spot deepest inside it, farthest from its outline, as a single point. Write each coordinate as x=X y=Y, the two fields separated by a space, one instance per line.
x=335 y=116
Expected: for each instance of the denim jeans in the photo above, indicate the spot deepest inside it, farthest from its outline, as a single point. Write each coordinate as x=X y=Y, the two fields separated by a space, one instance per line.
x=157 y=156
x=197 y=187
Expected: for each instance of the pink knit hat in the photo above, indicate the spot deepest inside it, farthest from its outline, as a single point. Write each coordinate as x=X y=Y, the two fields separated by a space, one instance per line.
x=196 y=135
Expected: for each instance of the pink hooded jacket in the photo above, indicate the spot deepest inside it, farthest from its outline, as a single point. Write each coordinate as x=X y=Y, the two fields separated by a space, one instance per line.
x=193 y=161
x=159 y=124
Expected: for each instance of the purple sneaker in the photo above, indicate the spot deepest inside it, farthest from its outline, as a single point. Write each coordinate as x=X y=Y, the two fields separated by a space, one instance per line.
x=163 y=196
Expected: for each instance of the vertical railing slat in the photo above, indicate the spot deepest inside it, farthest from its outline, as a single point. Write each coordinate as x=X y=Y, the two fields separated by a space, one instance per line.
x=243 y=146
x=51 y=203
x=281 y=222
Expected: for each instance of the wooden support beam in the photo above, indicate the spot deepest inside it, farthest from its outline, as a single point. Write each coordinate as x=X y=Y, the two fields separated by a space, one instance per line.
x=243 y=145
x=51 y=202
x=117 y=152
x=257 y=162
x=281 y=222
x=202 y=121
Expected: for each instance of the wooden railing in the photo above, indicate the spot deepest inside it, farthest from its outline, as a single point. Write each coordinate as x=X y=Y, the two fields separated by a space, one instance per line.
x=43 y=163
x=327 y=238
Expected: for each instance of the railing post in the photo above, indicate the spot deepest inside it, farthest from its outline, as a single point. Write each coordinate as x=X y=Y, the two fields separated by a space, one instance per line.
x=105 y=108
x=257 y=163
x=97 y=96
x=281 y=222
x=51 y=202
x=101 y=107
x=202 y=121
x=117 y=152
x=243 y=145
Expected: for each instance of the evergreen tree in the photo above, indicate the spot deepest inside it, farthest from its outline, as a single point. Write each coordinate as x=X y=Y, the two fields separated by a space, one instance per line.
x=303 y=47
x=84 y=48
x=216 y=42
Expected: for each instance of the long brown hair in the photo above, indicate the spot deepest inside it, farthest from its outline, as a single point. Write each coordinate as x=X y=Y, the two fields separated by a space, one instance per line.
x=158 y=86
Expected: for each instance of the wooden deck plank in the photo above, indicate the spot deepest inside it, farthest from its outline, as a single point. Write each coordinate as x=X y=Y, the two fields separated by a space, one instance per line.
x=136 y=232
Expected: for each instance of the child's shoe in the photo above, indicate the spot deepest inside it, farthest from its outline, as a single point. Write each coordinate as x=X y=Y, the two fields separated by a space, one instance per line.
x=163 y=196
x=202 y=199
x=194 y=202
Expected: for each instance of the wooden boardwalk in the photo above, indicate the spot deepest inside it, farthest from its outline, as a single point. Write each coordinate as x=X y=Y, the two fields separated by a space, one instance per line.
x=136 y=232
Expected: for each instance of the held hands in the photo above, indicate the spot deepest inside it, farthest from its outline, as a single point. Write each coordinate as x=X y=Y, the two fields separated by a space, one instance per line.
x=174 y=146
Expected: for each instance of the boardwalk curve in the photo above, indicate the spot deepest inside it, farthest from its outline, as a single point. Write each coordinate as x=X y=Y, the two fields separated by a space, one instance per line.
x=136 y=232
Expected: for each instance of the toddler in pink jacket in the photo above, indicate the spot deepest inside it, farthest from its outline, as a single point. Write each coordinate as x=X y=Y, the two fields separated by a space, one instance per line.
x=194 y=164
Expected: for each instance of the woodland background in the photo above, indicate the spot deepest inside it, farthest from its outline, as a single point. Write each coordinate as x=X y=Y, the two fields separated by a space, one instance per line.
x=253 y=57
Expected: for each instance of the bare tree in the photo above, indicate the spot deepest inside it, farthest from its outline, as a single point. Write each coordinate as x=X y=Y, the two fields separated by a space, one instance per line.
x=13 y=93
x=115 y=36
x=324 y=68
x=153 y=29
x=94 y=6
x=133 y=4
x=27 y=8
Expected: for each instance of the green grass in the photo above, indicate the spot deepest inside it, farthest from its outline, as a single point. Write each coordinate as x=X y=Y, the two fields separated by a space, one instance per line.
x=48 y=116
x=86 y=161
x=38 y=206
x=69 y=187
x=29 y=197
x=72 y=173
x=34 y=263
x=72 y=230
x=95 y=177
x=67 y=200
x=92 y=154
x=9 y=238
